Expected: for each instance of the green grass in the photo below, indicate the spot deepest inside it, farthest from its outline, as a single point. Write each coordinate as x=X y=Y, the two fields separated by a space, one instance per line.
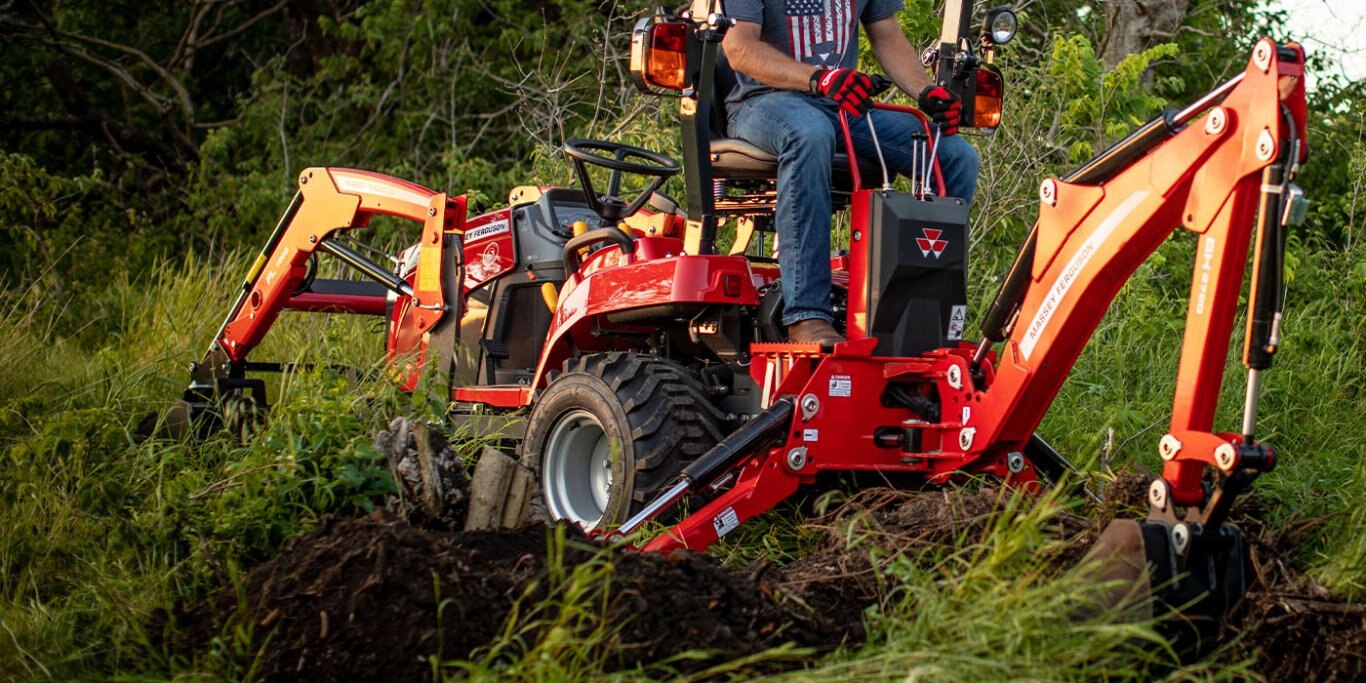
x=99 y=533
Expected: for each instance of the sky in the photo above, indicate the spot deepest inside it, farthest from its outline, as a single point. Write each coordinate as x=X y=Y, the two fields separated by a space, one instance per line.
x=1336 y=27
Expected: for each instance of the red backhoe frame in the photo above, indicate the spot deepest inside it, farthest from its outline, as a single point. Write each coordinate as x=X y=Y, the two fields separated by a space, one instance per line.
x=1090 y=237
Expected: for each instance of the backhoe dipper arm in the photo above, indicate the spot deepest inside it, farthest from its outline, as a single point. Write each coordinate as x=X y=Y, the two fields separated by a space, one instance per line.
x=1218 y=177
x=330 y=201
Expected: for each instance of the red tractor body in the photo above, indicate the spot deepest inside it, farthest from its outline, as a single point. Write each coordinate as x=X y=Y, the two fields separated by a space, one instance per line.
x=632 y=364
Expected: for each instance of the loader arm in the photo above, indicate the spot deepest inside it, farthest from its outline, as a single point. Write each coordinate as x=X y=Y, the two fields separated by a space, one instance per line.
x=330 y=203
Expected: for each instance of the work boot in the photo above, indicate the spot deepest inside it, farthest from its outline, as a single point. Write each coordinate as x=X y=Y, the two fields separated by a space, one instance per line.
x=813 y=331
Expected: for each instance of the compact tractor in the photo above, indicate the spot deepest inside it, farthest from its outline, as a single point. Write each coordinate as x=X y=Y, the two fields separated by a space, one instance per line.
x=641 y=371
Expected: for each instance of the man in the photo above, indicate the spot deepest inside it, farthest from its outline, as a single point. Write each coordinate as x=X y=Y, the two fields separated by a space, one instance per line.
x=795 y=62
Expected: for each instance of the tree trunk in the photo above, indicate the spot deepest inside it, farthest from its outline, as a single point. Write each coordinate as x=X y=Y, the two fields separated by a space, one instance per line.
x=1133 y=26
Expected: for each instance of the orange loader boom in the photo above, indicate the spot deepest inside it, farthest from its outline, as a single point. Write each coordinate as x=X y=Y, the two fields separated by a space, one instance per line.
x=330 y=204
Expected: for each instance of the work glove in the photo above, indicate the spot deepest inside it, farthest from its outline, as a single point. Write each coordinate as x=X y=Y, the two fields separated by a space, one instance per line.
x=943 y=107
x=851 y=89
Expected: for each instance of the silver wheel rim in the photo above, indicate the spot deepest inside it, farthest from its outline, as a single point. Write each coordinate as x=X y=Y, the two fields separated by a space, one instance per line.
x=576 y=468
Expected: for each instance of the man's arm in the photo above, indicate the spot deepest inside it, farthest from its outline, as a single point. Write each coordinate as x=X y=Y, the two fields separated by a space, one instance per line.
x=750 y=55
x=896 y=56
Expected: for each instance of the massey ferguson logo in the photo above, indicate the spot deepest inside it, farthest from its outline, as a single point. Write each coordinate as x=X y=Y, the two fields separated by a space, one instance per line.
x=930 y=243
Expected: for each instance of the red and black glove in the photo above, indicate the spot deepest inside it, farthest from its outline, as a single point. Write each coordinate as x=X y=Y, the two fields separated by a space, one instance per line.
x=943 y=107
x=851 y=89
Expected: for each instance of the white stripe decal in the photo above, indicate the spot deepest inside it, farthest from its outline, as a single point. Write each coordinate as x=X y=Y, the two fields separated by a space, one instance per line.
x=1069 y=274
x=378 y=188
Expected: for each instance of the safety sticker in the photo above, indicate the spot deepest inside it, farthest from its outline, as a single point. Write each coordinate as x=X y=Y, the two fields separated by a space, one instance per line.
x=841 y=386
x=479 y=233
x=811 y=435
x=958 y=316
x=725 y=522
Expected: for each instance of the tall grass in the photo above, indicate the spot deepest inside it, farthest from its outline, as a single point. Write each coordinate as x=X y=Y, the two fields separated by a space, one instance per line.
x=995 y=607
x=100 y=532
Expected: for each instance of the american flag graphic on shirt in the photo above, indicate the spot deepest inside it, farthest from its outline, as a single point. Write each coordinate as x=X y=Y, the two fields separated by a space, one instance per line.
x=819 y=30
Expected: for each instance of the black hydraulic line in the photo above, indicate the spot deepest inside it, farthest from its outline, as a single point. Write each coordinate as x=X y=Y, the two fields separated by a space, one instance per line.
x=722 y=456
x=1124 y=153
x=259 y=264
x=1268 y=275
x=741 y=442
x=1008 y=297
x=1266 y=292
x=369 y=268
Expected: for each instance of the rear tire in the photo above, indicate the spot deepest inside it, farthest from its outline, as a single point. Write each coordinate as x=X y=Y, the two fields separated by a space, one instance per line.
x=612 y=431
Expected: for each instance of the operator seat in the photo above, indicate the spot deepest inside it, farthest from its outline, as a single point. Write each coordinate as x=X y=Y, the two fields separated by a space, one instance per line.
x=737 y=159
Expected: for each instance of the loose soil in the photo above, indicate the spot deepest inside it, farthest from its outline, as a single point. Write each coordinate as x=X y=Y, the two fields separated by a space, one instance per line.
x=377 y=598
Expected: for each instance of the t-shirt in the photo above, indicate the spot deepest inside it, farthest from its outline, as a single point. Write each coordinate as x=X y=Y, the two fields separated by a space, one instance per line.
x=816 y=32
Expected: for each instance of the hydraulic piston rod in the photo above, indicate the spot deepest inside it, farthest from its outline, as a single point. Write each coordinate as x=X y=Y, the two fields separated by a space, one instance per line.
x=714 y=462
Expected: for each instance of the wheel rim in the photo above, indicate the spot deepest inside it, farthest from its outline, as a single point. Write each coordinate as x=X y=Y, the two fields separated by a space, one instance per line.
x=577 y=469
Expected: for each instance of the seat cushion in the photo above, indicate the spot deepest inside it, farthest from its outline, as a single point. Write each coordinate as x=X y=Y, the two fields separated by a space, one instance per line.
x=736 y=159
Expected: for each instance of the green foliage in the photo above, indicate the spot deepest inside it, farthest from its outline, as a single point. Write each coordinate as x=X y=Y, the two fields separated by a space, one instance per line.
x=102 y=531
x=120 y=240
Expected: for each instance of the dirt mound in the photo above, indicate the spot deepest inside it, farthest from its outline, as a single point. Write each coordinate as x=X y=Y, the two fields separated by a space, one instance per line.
x=877 y=524
x=375 y=599
x=1300 y=638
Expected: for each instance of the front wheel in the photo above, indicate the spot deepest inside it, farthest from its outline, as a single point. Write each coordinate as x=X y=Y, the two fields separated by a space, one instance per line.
x=612 y=431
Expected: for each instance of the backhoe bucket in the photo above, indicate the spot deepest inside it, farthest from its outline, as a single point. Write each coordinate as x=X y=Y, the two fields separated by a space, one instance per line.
x=1186 y=578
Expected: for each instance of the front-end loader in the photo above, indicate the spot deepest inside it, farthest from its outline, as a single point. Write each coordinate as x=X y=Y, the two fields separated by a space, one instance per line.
x=633 y=364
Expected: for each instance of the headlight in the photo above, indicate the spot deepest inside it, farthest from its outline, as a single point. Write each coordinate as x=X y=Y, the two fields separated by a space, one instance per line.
x=1000 y=25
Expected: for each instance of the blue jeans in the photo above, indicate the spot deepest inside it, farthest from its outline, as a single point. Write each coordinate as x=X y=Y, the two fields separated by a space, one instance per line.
x=803 y=132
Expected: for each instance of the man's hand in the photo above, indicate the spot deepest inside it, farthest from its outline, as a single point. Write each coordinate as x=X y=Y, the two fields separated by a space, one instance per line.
x=942 y=106
x=851 y=89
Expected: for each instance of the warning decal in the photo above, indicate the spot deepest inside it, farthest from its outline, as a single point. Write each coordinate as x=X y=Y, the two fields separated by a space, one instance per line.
x=841 y=386
x=958 y=317
x=725 y=522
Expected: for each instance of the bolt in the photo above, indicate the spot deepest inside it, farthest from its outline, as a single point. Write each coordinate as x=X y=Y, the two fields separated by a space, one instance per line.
x=312 y=239
x=1168 y=447
x=965 y=438
x=1226 y=457
x=431 y=211
x=1266 y=145
x=796 y=458
x=1157 y=494
x=858 y=235
x=1048 y=192
x=303 y=179
x=810 y=404
x=1016 y=462
x=1261 y=56
x=1181 y=538
x=954 y=376
x=1214 y=124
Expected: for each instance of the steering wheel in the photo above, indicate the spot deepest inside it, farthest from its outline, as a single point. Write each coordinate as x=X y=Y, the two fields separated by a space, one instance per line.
x=615 y=157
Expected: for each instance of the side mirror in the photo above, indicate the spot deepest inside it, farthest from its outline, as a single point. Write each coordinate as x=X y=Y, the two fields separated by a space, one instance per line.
x=659 y=55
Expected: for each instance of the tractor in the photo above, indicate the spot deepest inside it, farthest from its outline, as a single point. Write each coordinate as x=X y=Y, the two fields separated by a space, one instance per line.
x=641 y=373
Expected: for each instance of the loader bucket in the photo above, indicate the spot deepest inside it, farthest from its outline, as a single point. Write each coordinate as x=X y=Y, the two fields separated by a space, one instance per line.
x=176 y=422
x=1186 y=578
x=201 y=413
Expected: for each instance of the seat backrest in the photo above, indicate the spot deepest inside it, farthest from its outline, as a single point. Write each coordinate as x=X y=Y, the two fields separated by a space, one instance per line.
x=724 y=81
